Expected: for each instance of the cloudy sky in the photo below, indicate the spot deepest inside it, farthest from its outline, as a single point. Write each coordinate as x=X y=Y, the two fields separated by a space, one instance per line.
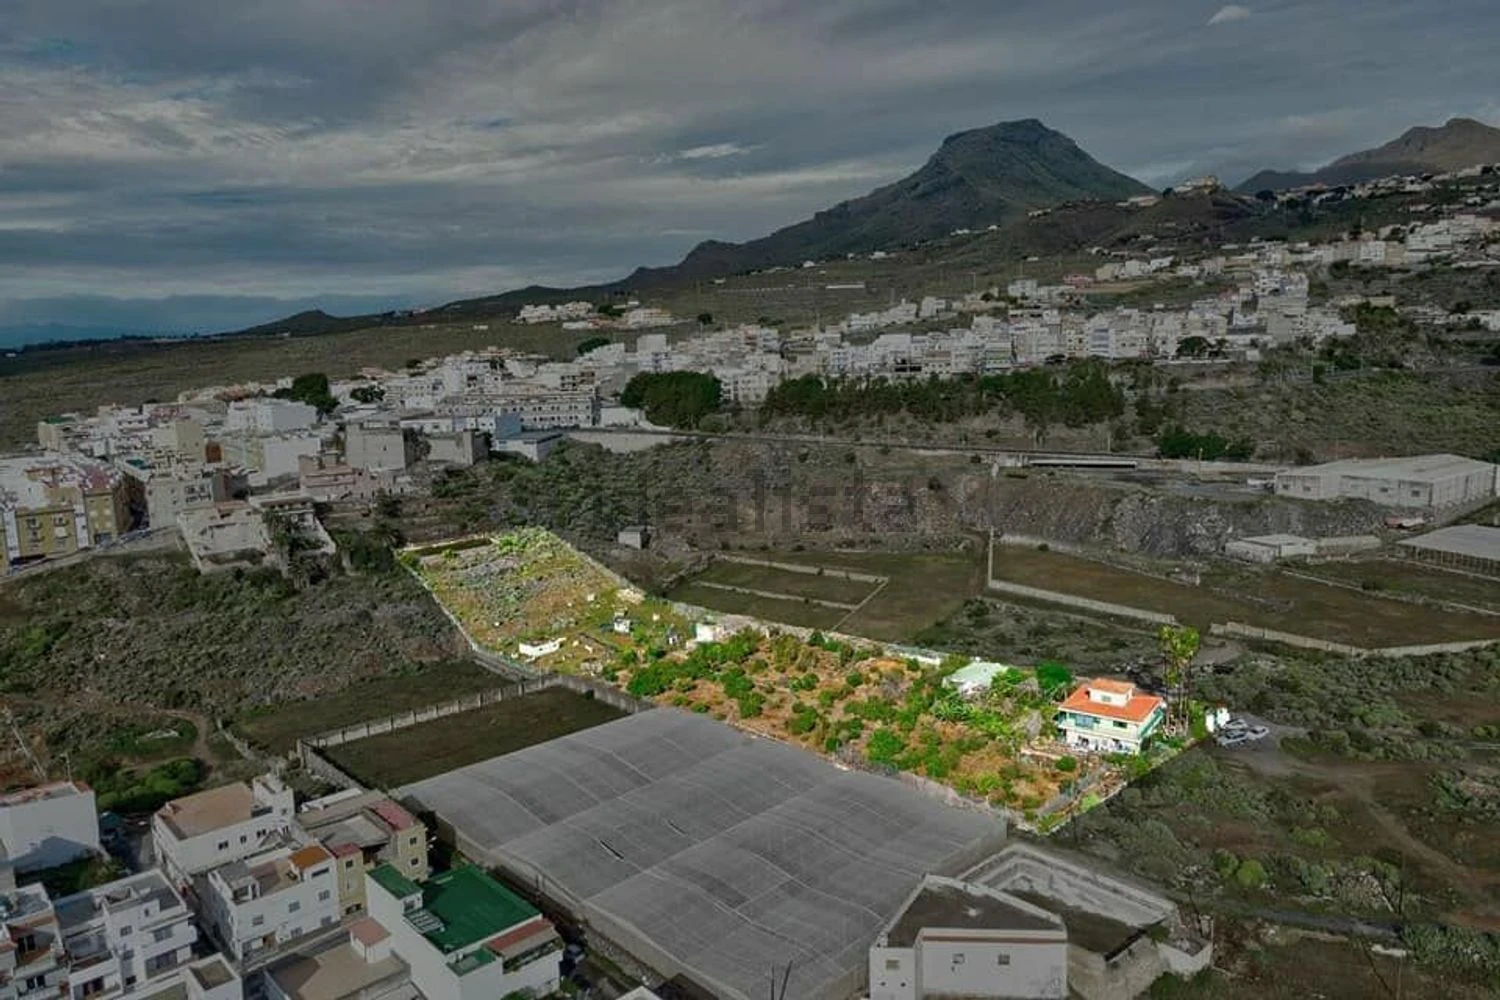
x=176 y=163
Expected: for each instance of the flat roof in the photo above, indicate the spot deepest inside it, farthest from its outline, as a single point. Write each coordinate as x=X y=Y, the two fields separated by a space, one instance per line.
x=1278 y=540
x=472 y=907
x=955 y=906
x=1411 y=467
x=1089 y=930
x=709 y=850
x=398 y=885
x=334 y=973
x=1477 y=541
x=203 y=812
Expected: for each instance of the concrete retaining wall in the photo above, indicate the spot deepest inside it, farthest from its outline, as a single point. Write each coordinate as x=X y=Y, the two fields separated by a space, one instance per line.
x=1068 y=600
x=806 y=569
x=1241 y=631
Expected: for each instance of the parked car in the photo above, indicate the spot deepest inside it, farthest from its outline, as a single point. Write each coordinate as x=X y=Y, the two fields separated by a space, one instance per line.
x=1257 y=733
x=1232 y=739
x=1235 y=726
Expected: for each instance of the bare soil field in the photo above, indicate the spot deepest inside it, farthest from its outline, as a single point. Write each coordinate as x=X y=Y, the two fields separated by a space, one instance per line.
x=1269 y=600
x=407 y=755
x=790 y=611
x=1385 y=575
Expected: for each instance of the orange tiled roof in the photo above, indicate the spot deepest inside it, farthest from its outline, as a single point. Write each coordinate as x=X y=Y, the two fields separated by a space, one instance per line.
x=535 y=925
x=309 y=856
x=1137 y=709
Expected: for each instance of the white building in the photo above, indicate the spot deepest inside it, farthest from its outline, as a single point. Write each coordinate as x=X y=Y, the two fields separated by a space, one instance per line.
x=464 y=936
x=378 y=447
x=49 y=825
x=1428 y=482
x=134 y=935
x=955 y=939
x=270 y=898
x=33 y=965
x=202 y=831
x=269 y=416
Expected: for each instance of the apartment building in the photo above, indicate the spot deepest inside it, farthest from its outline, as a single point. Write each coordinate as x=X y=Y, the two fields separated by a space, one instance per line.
x=271 y=897
x=364 y=830
x=199 y=832
x=49 y=825
x=134 y=935
x=1109 y=717
x=379 y=447
x=56 y=505
x=158 y=494
x=464 y=936
x=269 y=457
x=32 y=962
x=269 y=416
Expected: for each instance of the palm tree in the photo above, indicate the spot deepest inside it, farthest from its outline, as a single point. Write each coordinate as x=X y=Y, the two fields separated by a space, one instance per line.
x=1179 y=644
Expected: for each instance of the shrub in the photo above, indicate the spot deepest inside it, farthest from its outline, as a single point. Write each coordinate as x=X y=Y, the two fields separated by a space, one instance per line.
x=1251 y=874
x=885 y=746
x=1067 y=764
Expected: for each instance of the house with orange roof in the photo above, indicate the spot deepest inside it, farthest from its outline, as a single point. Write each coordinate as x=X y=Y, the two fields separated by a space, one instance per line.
x=1106 y=716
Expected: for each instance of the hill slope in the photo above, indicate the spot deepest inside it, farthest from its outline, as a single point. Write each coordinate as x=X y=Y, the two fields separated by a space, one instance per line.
x=1460 y=143
x=976 y=178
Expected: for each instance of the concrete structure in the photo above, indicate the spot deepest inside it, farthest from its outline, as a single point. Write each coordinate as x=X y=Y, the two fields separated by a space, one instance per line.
x=364 y=830
x=224 y=536
x=1109 y=717
x=1427 y=482
x=636 y=536
x=271 y=897
x=49 y=825
x=464 y=936
x=134 y=935
x=463 y=447
x=976 y=678
x=205 y=830
x=267 y=458
x=159 y=495
x=1269 y=548
x=1472 y=548
x=534 y=445
x=374 y=447
x=328 y=481
x=954 y=939
x=1121 y=936
x=56 y=505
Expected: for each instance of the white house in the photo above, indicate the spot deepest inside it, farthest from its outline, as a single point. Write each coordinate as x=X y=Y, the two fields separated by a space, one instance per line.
x=270 y=898
x=269 y=416
x=536 y=650
x=33 y=965
x=132 y=934
x=464 y=936
x=198 y=832
x=49 y=825
x=956 y=939
x=1109 y=716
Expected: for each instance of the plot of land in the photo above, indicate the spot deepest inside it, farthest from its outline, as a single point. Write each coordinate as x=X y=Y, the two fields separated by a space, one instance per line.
x=1272 y=600
x=1414 y=578
x=417 y=752
x=921 y=589
x=279 y=728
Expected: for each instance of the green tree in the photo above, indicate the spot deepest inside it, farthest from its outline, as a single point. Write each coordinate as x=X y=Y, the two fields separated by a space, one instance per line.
x=592 y=344
x=674 y=399
x=311 y=389
x=1179 y=645
x=705 y=319
x=367 y=394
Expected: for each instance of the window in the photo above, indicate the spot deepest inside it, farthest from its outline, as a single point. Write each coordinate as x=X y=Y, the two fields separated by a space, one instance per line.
x=323 y=896
x=412 y=841
x=348 y=862
x=1120 y=725
x=257 y=920
x=958 y=958
x=161 y=934
x=294 y=906
x=223 y=845
x=414 y=862
x=1002 y=959
x=244 y=838
x=892 y=965
x=35 y=982
x=125 y=930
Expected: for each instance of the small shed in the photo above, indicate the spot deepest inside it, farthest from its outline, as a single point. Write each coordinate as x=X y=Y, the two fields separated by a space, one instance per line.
x=634 y=537
x=1269 y=548
x=975 y=679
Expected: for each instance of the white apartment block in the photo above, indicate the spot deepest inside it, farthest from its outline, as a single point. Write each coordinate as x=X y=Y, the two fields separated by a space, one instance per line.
x=377 y=447
x=130 y=937
x=270 y=898
x=199 y=832
x=269 y=416
x=48 y=825
x=267 y=457
x=33 y=965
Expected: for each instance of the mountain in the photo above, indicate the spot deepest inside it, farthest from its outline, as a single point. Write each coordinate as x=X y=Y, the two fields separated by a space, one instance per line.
x=1460 y=143
x=976 y=178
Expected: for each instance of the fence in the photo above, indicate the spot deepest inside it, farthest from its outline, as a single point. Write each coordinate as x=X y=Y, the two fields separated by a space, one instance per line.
x=807 y=569
x=1087 y=604
x=1241 y=631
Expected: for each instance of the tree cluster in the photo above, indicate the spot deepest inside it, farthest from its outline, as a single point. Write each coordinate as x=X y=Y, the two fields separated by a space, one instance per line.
x=674 y=399
x=311 y=389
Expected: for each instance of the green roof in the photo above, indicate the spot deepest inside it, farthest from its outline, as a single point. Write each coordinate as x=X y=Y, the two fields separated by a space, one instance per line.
x=471 y=906
x=393 y=882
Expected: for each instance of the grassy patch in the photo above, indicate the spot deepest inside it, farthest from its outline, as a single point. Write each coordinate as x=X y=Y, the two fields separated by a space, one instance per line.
x=278 y=728
x=791 y=611
x=407 y=755
x=1272 y=600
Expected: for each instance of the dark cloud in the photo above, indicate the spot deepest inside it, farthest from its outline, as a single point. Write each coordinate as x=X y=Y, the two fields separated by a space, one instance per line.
x=410 y=152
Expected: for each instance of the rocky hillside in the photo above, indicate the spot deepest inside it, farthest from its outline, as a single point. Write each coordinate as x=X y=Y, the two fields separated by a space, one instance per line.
x=987 y=176
x=1460 y=143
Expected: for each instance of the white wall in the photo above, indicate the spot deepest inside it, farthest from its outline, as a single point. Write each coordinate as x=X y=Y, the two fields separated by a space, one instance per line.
x=1010 y=968
x=287 y=913
x=43 y=832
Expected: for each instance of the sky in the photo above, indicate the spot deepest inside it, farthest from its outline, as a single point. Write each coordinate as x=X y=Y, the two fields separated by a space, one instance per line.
x=181 y=165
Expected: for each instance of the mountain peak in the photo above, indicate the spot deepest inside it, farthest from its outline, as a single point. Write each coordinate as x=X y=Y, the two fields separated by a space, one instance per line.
x=1454 y=145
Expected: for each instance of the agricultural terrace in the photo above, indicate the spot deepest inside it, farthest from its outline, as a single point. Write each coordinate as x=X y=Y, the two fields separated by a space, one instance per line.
x=530 y=587
x=863 y=706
